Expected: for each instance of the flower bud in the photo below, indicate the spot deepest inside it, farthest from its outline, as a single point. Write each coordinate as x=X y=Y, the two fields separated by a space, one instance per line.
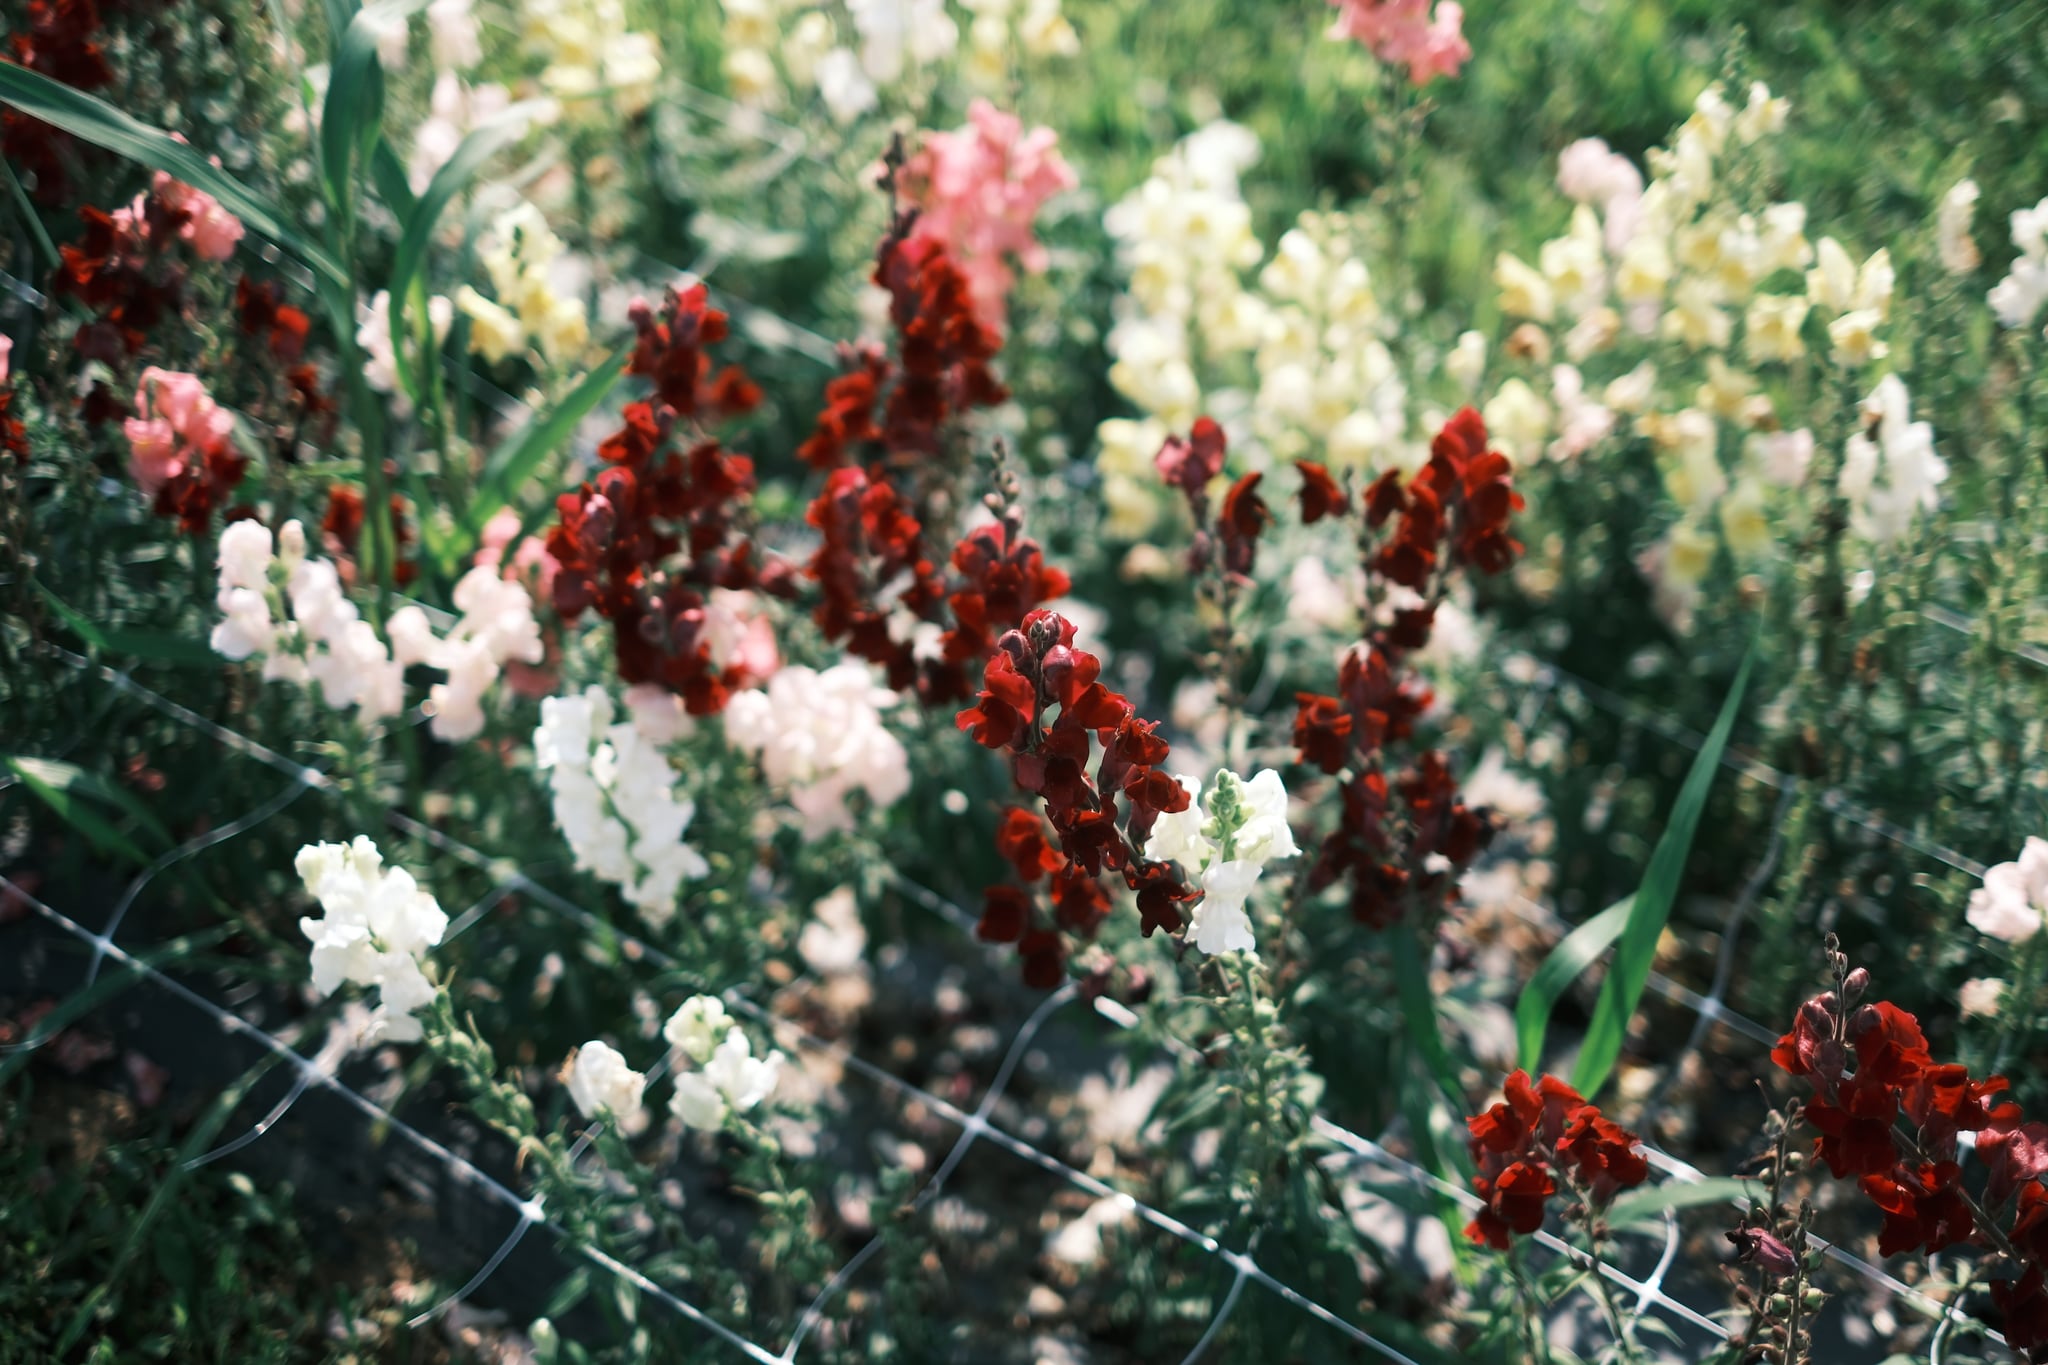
x=1857 y=982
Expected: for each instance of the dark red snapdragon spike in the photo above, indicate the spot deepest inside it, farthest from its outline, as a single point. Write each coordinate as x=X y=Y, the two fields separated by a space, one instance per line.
x=126 y=271
x=203 y=487
x=1404 y=834
x=60 y=39
x=1541 y=1130
x=1191 y=464
x=644 y=543
x=1889 y=1115
x=261 y=313
x=943 y=351
x=880 y=588
x=1042 y=704
x=2024 y=1303
x=1923 y=1206
x=1245 y=514
x=13 y=434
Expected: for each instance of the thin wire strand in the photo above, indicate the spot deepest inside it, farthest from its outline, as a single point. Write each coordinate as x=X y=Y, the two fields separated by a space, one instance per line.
x=463 y=1169
x=296 y=788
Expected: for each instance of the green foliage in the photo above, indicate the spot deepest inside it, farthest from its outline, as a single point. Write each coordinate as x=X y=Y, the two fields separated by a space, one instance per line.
x=1649 y=909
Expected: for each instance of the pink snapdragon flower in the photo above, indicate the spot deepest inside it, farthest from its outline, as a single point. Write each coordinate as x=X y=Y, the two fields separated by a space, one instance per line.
x=178 y=424
x=979 y=190
x=211 y=229
x=1407 y=33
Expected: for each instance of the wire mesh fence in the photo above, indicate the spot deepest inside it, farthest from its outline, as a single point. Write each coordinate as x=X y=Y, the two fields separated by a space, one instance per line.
x=976 y=1126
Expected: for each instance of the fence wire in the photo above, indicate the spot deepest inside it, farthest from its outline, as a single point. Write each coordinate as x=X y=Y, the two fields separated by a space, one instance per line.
x=974 y=1126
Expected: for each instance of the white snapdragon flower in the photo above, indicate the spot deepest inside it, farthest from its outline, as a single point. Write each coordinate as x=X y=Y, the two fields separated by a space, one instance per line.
x=1582 y=422
x=1219 y=922
x=834 y=943
x=617 y=802
x=1466 y=361
x=375 y=928
x=1177 y=834
x=373 y=335
x=452 y=33
x=601 y=1083
x=820 y=738
x=1225 y=841
x=245 y=555
x=844 y=86
x=1953 y=244
x=1890 y=471
x=2013 y=901
x=697 y=1027
x=1264 y=834
x=733 y=1081
x=1980 y=997
x=2017 y=299
x=244 y=596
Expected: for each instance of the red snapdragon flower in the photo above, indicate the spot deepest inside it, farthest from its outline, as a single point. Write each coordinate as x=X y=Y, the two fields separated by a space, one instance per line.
x=1541 y=1128
x=1923 y=1206
x=1320 y=495
x=1871 y=1066
x=2024 y=1302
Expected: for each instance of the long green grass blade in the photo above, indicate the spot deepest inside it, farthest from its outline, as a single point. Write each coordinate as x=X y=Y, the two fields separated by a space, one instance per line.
x=1650 y=907
x=514 y=462
x=352 y=118
x=94 y=120
x=66 y=790
x=1418 y=1011
x=157 y=646
x=1577 y=951
x=1652 y=1200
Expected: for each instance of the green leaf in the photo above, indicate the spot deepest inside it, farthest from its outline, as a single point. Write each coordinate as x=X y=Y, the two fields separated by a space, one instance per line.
x=353 y=116
x=94 y=120
x=158 y=646
x=1652 y=1200
x=1418 y=1103
x=63 y=788
x=1650 y=907
x=484 y=142
x=1418 y=1010
x=509 y=467
x=1574 y=953
x=394 y=186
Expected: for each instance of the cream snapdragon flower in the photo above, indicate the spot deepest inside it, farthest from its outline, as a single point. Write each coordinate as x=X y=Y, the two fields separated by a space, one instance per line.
x=2013 y=901
x=600 y=1082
